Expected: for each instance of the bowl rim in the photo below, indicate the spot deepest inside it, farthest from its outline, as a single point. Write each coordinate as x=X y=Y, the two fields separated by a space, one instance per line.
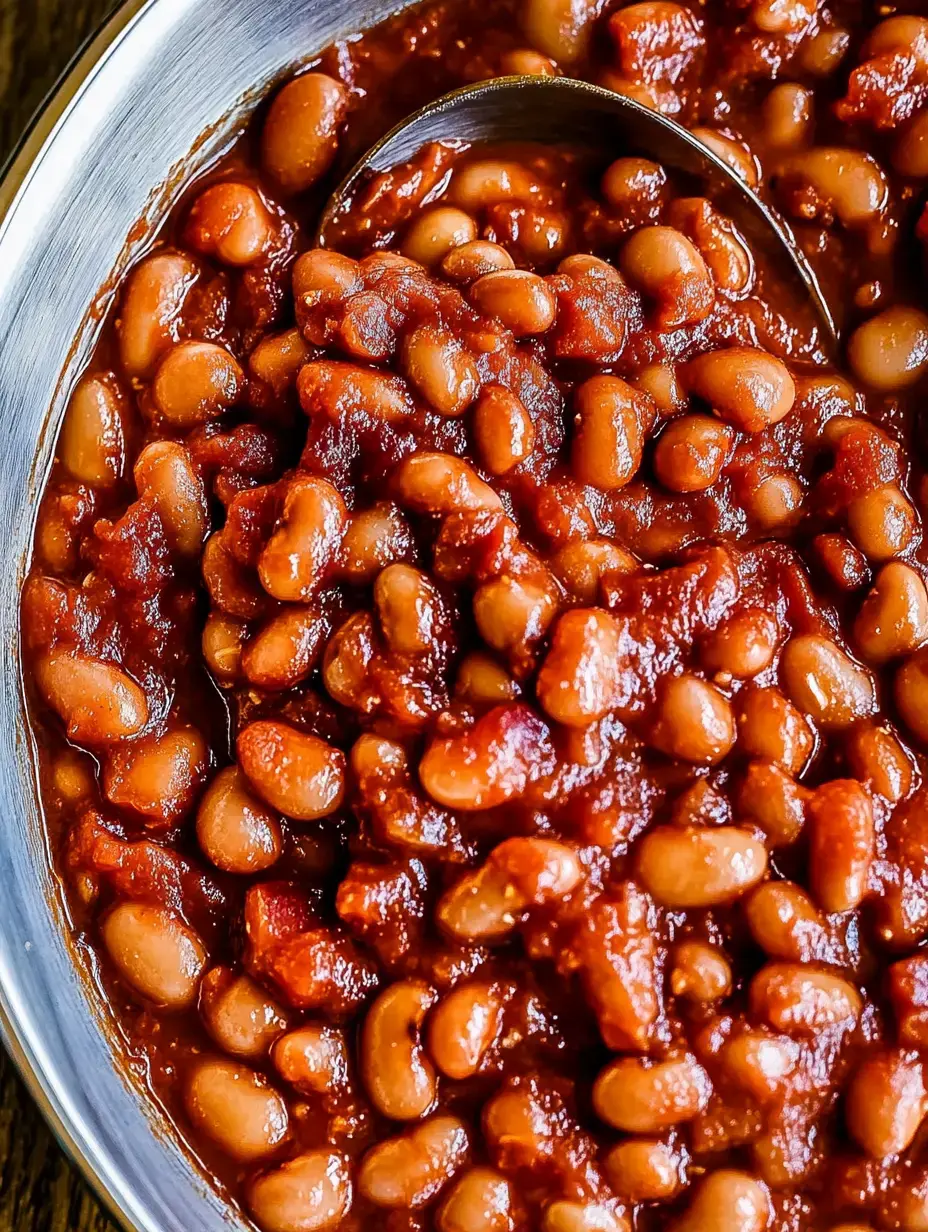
x=20 y=166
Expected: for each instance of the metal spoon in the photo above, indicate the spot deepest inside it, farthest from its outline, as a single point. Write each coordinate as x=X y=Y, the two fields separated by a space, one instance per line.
x=561 y=110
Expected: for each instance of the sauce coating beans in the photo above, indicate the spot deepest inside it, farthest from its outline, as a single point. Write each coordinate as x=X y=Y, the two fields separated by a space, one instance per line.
x=479 y=655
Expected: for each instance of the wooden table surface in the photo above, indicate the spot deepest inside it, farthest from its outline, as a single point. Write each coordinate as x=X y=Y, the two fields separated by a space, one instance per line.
x=40 y=1191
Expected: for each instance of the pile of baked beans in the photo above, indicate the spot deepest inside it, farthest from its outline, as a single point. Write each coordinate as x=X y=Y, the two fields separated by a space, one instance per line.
x=480 y=663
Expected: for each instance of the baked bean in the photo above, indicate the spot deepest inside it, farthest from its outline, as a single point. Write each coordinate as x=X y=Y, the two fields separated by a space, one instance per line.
x=580 y=566
x=463 y=1027
x=774 y=802
x=669 y=269
x=742 y=645
x=233 y=588
x=300 y=136
x=522 y=301
x=503 y=430
x=298 y=774
x=559 y=28
x=98 y=702
x=472 y=260
x=563 y=1216
x=735 y=154
x=845 y=564
x=165 y=474
x=519 y=874
x=222 y=643
x=523 y=62
x=585 y=265
x=890 y=351
x=691 y=452
x=899 y=33
x=490 y=764
x=644 y=1170
x=480 y=679
x=195 y=382
x=910 y=150
x=659 y=382
x=435 y=232
x=157 y=776
x=694 y=721
x=699 y=866
x=579 y=682
x=775 y=503
x=411 y=1170
x=314 y=1059
x=348 y=655
x=408 y=607
x=92 y=445
x=489 y=181
x=321 y=276
x=801 y=1000
x=744 y=386
x=821 y=54
x=727 y=1201
x=311 y=1193
x=374 y=538
x=240 y=1016
x=644 y=1097
x=230 y=222
x=284 y=651
x=788 y=115
x=608 y=430
x=480 y=1201
x=785 y=922
x=439 y=483
x=911 y=693
x=278 y=358
x=876 y=757
x=632 y=185
x=235 y=830
x=73 y=777
x=151 y=307
x=158 y=956
x=511 y=612
x=700 y=972
x=519 y=1129
x=881 y=522
x=824 y=683
x=772 y=729
x=845 y=184
x=236 y=1108
x=759 y=1064
x=782 y=16
x=399 y=1077
x=842 y=844
x=893 y=619
x=886 y=1102
x=306 y=542
x=443 y=372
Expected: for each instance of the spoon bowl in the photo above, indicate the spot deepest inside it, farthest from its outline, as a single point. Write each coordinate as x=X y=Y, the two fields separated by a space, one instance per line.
x=561 y=110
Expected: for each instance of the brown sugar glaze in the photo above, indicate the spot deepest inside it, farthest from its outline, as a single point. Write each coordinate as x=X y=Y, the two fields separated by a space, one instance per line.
x=564 y=628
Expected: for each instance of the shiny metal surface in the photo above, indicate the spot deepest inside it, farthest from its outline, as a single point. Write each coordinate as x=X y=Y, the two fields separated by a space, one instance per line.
x=161 y=74
x=559 y=109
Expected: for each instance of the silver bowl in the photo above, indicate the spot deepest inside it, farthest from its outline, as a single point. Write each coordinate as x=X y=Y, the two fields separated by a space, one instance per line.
x=111 y=148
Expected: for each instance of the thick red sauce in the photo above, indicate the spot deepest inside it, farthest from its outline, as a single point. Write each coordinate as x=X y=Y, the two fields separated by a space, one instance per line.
x=478 y=665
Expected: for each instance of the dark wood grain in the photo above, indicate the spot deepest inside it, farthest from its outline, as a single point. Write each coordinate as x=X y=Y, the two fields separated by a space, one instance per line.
x=40 y=1191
